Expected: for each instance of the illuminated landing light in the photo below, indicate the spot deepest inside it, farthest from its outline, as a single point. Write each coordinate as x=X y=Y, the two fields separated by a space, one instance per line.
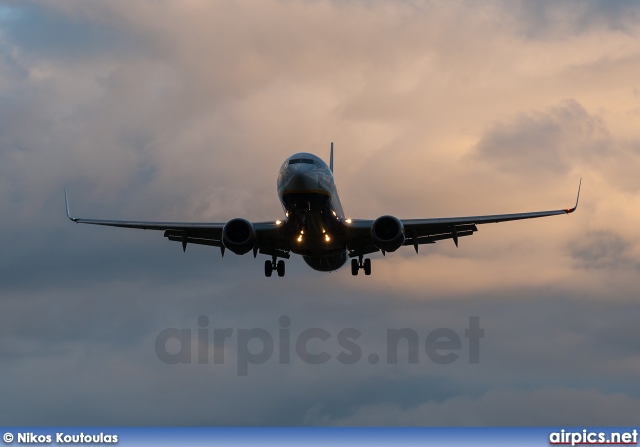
x=334 y=213
x=348 y=221
x=300 y=238
x=327 y=238
x=302 y=232
x=278 y=222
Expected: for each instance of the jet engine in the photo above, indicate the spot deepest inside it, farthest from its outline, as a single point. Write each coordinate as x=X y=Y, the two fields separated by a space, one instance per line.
x=238 y=236
x=387 y=233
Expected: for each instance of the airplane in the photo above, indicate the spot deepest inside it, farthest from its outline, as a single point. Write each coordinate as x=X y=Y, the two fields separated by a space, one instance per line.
x=314 y=225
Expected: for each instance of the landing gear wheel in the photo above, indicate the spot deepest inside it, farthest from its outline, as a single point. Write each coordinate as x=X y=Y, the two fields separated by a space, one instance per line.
x=367 y=266
x=280 y=268
x=354 y=267
x=268 y=268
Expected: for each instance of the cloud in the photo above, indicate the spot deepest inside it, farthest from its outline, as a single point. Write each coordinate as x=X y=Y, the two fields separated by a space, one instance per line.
x=552 y=20
x=185 y=111
x=602 y=249
x=546 y=144
x=504 y=406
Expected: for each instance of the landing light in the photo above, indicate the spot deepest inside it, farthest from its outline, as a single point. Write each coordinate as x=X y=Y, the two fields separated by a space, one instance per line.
x=327 y=238
x=348 y=221
x=300 y=238
x=278 y=222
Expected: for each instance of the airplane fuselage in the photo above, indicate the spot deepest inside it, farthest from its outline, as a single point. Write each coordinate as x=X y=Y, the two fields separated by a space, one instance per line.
x=314 y=216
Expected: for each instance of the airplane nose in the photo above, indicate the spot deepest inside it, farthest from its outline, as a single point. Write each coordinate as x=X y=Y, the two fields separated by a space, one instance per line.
x=301 y=181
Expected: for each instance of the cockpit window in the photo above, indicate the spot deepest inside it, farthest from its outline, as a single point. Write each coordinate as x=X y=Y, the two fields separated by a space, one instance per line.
x=301 y=160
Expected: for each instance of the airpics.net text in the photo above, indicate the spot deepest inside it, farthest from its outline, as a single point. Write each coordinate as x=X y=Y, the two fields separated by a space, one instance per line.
x=313 y=346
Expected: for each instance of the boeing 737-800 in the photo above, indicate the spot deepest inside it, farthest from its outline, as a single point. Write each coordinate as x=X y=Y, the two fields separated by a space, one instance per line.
x=315 y=227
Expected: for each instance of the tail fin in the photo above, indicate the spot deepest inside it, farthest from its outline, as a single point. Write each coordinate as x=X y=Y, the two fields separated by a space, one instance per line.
x=331 y=158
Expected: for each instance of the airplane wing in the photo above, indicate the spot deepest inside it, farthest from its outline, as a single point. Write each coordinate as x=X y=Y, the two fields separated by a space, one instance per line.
x=205 y=233
x=429 y=231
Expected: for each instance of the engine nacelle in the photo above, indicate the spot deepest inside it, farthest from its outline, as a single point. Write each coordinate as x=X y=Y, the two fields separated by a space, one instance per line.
x=387 y=233
x=238 y=236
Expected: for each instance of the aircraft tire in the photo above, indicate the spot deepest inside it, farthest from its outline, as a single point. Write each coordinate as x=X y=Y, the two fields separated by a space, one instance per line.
x=367 y=266
x=354 y=267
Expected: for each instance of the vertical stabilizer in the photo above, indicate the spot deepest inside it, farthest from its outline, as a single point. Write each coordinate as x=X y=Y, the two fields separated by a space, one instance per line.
x=331 y=158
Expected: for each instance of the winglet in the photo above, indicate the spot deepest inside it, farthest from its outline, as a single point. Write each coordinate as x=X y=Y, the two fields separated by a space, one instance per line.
x=571 y=210
x=66 y=204
x=331 y=158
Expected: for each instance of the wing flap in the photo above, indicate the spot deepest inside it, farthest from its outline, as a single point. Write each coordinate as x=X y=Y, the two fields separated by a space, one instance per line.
x=433 y=238
x=191 y=240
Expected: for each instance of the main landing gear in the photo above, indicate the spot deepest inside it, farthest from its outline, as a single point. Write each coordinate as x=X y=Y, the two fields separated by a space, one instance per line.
x=270 y=266
x=357 y=264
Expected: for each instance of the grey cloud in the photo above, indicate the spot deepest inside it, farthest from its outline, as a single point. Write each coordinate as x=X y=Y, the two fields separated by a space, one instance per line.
x=510 y=407
x=620 y=337
x=551 y=20
x=545 y=144
x=602 y=249
x=116 y=326
x=44 y=33
x=153 y=111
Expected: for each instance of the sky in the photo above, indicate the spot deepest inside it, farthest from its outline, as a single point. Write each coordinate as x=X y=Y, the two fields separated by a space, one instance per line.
x=184 y=111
